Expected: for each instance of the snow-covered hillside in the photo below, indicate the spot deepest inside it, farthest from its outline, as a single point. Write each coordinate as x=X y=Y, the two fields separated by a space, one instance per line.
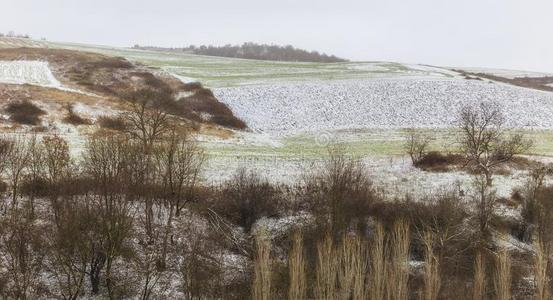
x=290 y=108
x=27 y=72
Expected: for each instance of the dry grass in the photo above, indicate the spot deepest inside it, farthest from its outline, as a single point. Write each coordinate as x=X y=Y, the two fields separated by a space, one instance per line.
x=327 y=270
x=397 y=287
x=296 y=265
x=540 y=271
x=432 y=276
x=377 y=264
x=261 y=289
x=353 y=268
x=479 y=284
x=502 y=276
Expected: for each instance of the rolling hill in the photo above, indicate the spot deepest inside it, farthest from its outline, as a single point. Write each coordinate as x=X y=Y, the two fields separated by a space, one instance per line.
x=295 y=110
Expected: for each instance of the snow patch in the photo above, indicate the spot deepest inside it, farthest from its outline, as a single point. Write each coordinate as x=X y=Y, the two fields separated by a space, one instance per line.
x=32 y=72
x=28 y=72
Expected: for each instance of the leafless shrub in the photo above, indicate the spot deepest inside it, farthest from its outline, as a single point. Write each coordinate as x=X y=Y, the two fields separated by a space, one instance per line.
x=17 y=163
x=22 y=255
x=416 y=145
x=340 y=194
x=246 y=197
x=485 y=201
x=70 y=247
x=105 y=161
x=437 y=162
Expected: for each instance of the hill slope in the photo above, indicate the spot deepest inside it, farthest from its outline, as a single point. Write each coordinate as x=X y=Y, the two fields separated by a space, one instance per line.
x=114 y=79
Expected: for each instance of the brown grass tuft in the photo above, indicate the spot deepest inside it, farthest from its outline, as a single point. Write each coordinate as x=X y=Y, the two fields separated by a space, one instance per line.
x=431 y=268
x=502 y=280
x=261 y=289
x=296 y=266
x=327 y=270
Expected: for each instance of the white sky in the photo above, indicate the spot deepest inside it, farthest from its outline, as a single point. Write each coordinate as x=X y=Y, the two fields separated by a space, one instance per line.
x=514 y=34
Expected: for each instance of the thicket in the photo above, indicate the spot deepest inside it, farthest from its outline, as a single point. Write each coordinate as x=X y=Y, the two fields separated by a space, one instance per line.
x=131 y=218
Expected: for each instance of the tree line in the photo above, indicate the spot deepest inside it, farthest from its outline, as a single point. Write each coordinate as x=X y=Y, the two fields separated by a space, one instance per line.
x=254 y=51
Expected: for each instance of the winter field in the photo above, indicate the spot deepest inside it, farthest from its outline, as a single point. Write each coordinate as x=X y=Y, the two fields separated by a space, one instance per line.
x=296 y=110
x=360 y=104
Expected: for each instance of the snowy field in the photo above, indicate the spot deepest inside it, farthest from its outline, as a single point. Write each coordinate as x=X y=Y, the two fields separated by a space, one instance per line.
x=357 y=104
x=395 y=176
x=295 y=110
x=28 y=72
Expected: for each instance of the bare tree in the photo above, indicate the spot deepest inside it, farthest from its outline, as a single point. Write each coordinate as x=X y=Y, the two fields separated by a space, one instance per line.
x=70 y=245
x=486 y=144
x=5 y=147
x=106 y=162
x=147 y=123
x=56 y=158
x=21 y=244
x=179 y=161
x=57 y=162
x=36 y=170
x=484 y=140
x=416 y=145
x=18 y=161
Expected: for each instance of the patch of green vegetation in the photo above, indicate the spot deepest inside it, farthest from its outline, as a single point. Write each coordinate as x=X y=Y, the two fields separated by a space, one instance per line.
x=362 y=143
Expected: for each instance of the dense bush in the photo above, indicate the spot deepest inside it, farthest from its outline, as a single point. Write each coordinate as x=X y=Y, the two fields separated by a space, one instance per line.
x=24 y=112
x=246 y=197
x=438 y=162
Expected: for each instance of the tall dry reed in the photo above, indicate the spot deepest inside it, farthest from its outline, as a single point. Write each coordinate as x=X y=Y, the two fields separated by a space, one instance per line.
x=327 y=270
x=540 y=271
x=431 y=268
x=479 y=284
x=296 y=265
x=397 y=285
x=261 y=289
x=377 y=268
x=502 y=276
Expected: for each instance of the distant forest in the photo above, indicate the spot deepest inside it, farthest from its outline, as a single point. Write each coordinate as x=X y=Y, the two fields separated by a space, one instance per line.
x=254 y=51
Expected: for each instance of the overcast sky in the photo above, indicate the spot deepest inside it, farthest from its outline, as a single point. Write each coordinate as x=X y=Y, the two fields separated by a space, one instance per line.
x=514 y=34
